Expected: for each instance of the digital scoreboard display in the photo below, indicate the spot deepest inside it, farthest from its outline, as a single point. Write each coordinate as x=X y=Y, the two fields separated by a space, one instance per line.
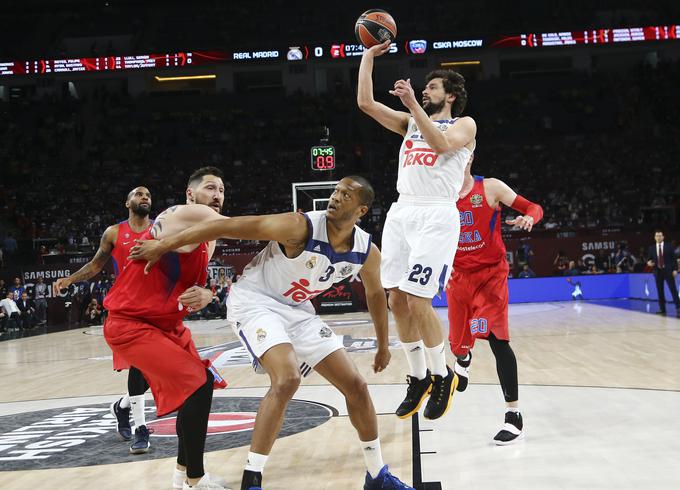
x=323 y=157
x=337 y=51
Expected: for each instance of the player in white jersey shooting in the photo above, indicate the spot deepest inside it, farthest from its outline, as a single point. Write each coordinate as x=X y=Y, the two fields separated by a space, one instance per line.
x=270 y=311
x=420 y=235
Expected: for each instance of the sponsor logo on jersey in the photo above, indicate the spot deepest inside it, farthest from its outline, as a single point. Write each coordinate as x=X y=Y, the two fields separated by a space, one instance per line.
x=299 y=292
x=476 y=200
x=346 y=270
x=325 y=332
x=338 y=292
x=420 y=156
x=311 y=263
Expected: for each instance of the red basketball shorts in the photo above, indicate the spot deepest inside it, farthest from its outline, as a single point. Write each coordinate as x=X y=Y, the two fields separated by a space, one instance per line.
x=478 y=305
x=168 y=359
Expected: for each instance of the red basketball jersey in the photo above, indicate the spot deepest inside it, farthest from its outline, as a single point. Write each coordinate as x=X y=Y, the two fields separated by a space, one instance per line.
x=480 y=243
x=124 y=242
x=153 y=298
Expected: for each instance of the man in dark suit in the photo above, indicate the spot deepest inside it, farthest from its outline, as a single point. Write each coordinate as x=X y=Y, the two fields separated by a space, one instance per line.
x=27 y=310
x=662 y=260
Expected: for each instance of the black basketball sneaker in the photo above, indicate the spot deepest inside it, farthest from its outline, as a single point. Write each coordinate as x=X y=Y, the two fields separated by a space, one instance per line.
x=511 y=432
x=441 y=395
x=462 y=369
x=417 y=391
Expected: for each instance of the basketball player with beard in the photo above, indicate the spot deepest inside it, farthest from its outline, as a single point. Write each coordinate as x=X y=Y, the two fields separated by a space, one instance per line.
x=145 y=327
x=116 y=243
x=270 y=310
x=418 y=242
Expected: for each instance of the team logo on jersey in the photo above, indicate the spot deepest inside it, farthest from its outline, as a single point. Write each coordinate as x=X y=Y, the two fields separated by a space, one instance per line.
x=476 y=200
x=127 y=235
x=443 y=127
x=311 y=263
x=261 y=335
x=346 y=270
x=325 y=332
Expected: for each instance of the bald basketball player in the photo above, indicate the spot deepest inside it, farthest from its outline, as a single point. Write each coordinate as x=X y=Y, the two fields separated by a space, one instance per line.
x=116 y=243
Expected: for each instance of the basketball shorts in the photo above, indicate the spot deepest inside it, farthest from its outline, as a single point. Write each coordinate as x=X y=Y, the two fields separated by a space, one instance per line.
x=478 y=305
x=261 y=322
x=167 y=358
x=419 y=244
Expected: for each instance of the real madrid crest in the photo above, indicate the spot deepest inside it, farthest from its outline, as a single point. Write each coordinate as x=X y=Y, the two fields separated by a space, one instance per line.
x=443 y=127
x=325 y=332
x=261 y=334
x=311 y=263
x=476 y=200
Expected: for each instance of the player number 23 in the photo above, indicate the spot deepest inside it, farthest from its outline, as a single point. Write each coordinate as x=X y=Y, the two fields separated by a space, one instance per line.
x=420 y=275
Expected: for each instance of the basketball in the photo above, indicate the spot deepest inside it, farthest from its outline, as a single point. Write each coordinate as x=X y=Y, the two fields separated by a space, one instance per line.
x=375 y=26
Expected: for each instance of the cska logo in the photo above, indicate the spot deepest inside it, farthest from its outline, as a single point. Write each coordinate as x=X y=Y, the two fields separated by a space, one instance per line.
x=300 y=293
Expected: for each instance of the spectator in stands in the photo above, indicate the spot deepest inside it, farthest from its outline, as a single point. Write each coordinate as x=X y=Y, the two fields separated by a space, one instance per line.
x=93 y=313
x=40 y=299
x=524 y=252
x=27 y=311
x=572 y=269
x=594 y=269
x=10 y=246
x=561 y=263
x=16 y=289
x=526 y=272
x=11 y=310
x=3 y=288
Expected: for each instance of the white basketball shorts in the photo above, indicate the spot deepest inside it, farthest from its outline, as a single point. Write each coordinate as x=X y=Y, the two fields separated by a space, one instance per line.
x=261 y=322
x=419 y=244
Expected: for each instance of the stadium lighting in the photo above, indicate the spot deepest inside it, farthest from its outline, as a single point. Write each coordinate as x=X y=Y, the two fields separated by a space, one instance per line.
x=187 y=77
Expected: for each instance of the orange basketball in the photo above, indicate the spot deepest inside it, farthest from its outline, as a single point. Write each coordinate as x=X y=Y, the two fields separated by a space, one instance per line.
x=375 y=26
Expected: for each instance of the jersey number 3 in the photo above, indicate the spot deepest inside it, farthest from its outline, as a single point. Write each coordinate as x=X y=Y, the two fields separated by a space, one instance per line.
x=420 y=275
x=327 y=274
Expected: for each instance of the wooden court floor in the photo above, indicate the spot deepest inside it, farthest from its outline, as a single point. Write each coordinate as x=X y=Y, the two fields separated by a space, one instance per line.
x=600 y=394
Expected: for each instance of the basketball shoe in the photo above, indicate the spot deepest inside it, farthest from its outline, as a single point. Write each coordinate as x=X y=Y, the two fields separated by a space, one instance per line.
x=462 y=369
x=441 y=395
x=207 y=482
x=141 y=443
x=179 y=477
x=384 y=481
x=123 y=417
x=252 y=480
x=511 y=432
x=417 y=391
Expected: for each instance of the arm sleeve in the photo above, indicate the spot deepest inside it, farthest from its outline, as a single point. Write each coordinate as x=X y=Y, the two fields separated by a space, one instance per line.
x=527 y=208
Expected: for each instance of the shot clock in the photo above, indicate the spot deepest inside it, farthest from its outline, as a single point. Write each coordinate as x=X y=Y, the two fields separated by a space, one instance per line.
x=323 y=157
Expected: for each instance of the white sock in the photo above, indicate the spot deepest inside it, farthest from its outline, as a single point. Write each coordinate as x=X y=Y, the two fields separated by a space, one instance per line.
x=415 y=355
x=125 y=401
x=137 y=405
x=372 y=456
x=256 y=462
x=512 y=409
x=437 y=357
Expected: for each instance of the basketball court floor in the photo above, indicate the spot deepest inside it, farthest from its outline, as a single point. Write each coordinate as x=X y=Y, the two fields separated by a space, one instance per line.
x=600 y=396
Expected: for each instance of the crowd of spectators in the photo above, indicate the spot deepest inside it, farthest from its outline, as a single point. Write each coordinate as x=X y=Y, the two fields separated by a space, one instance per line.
x=581 y=145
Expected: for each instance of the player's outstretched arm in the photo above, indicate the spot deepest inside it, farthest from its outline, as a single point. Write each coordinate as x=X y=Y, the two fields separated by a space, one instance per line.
x=498 y=191
x=396 y=121
x=377 y=306
x=94 y=266
x=289 y=229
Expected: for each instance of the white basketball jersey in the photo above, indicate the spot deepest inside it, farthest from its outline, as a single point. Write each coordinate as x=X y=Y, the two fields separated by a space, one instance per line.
x=423 y=173
x=297 y=280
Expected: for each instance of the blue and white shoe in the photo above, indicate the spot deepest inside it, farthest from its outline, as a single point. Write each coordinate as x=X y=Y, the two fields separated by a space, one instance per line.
x=141 y=443
x=385 y=481
x=123 y=417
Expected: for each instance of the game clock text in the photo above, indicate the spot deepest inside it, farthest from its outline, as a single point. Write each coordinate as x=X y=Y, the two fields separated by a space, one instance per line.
x=323 y=157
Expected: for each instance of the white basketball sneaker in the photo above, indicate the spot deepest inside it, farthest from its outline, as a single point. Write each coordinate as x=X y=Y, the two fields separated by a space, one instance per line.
x=210 y=482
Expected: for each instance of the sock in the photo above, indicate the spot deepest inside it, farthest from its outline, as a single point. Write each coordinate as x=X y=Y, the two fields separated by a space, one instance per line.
x=256 y=462
x=137 y=405
x=437 y=357
x=415 y=355
x=512 y=409
x=124 y=402
x=372 y=456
